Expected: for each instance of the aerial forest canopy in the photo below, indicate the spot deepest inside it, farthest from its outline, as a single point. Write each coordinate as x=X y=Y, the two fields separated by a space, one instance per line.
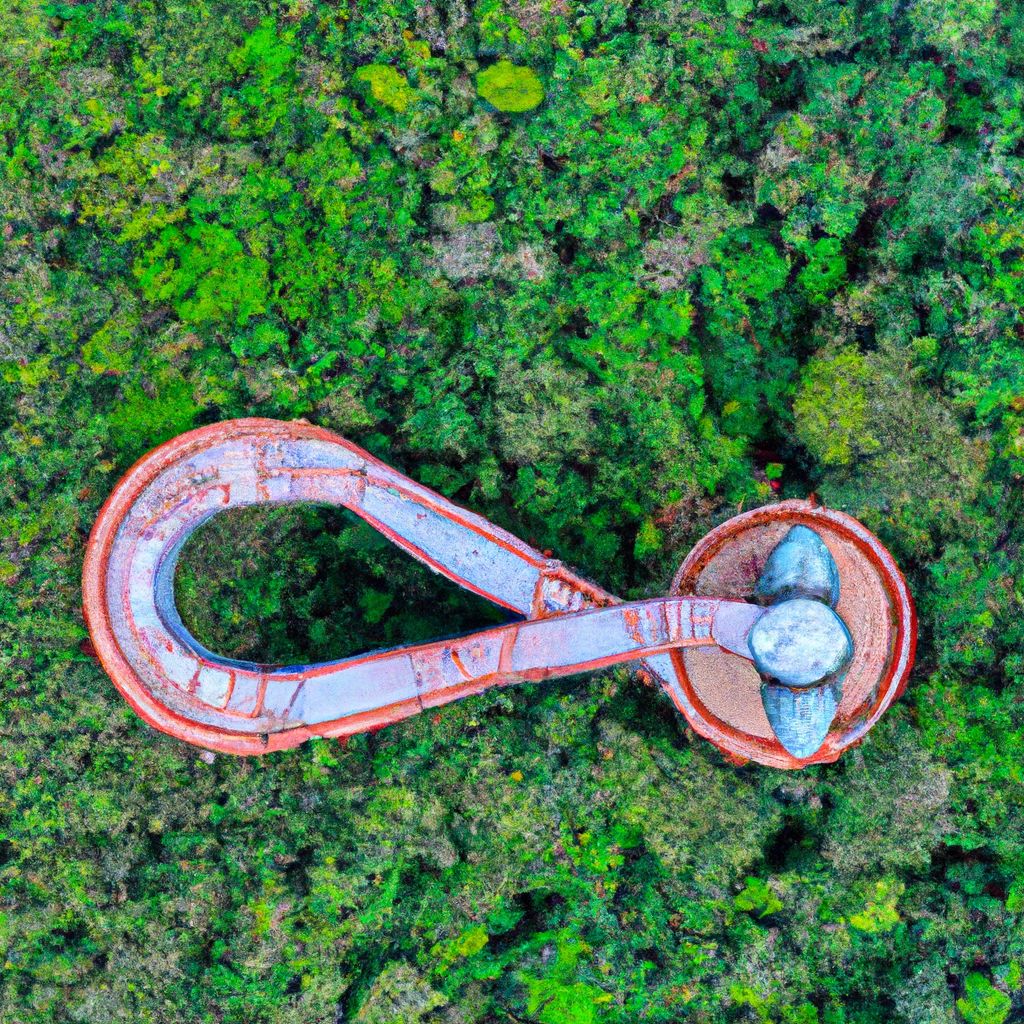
x=607 y=273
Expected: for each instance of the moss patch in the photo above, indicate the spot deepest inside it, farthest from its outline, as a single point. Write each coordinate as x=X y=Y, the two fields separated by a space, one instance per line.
x=510 y=88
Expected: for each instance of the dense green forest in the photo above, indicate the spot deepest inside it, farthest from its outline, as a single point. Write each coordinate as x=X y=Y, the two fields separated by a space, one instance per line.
x=605 y=272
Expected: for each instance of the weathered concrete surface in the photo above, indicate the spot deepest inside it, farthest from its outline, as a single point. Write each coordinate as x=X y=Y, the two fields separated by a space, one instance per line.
x=570 y=625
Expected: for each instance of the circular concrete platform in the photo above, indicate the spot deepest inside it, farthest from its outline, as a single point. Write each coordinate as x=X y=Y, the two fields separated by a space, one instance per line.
x=722 y=691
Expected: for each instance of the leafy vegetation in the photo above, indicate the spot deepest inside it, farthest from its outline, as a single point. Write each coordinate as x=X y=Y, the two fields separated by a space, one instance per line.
x=606 y=272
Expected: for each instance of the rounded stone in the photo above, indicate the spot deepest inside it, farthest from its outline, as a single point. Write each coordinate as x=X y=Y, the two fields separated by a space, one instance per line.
x=800 y=566
x=800 y=642
x=801 y=718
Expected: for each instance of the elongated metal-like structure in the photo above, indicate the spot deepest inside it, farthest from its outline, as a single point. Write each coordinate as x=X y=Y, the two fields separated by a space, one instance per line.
x=567 y=624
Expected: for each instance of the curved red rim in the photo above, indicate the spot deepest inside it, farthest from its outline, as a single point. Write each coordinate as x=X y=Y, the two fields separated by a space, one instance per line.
x=97 y=618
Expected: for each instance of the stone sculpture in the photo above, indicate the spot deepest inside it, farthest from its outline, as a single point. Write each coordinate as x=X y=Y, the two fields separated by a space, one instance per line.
x=794 y=603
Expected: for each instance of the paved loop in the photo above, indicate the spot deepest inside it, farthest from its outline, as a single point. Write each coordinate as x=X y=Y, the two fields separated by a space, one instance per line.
x=569 y=625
